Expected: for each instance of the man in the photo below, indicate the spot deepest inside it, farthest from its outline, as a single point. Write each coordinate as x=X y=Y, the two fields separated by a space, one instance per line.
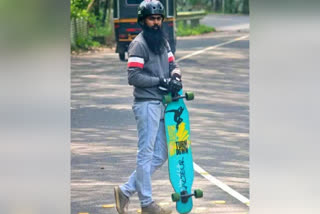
x=153 y=72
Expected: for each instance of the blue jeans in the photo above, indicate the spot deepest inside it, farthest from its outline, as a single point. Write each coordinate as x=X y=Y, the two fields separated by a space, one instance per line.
x=152 y=149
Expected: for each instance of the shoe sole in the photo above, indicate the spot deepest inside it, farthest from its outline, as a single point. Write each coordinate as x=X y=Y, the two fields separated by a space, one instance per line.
x=116 y=196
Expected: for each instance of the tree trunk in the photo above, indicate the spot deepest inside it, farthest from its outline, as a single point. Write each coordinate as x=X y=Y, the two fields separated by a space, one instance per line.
x=213 y=5
x=105 y=9
x=89 y=8
x=97 y=9
x=110 y=19
x=245 y=9
x=218 y=5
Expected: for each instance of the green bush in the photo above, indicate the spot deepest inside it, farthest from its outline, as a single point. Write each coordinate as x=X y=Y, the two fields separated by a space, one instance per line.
x=96 y=29
x=86 y=43
x=188 y=30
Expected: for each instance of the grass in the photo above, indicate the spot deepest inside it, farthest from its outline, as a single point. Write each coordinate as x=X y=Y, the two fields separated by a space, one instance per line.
x=188 y=30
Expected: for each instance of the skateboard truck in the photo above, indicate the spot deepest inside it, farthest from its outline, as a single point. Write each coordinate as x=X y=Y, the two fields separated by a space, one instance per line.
x=184 y=196
x=174 y=97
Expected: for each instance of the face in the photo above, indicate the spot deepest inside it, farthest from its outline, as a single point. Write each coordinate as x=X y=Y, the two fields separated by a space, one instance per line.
x=153 y=20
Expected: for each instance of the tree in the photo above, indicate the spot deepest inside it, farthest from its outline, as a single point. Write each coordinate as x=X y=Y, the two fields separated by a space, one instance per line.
x=105 y=9
x=245 y=7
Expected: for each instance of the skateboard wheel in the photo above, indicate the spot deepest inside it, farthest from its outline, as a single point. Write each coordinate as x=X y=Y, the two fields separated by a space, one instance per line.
x=189 y=95
x=198 y=193
x=175 y=196
x=167 y=99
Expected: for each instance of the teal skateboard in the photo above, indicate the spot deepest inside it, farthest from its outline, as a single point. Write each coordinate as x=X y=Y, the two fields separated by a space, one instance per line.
x=180 y=161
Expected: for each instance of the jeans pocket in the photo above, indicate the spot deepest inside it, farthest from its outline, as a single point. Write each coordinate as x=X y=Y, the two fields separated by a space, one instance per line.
x=138 y=109
x=154 y=102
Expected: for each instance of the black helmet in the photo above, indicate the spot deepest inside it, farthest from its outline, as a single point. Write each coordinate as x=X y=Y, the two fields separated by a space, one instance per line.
x=149 y=7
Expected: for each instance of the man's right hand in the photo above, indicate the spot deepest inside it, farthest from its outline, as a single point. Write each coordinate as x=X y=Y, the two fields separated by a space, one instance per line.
x=172 y=85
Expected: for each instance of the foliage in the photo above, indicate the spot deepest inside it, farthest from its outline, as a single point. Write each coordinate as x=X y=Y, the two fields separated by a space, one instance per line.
x=188 y=30
x=78 y=8
x=99 y=29
x=86 y=43
x=94 y=12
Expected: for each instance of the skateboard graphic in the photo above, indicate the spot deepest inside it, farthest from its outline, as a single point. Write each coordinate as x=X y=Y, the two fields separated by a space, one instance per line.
x=180 y=163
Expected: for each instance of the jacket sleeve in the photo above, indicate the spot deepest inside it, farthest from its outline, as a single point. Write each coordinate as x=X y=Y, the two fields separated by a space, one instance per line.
x=173 y=66
x=136 y=76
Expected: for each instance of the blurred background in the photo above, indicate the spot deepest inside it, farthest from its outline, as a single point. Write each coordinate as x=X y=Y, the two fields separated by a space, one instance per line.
x=35 y=41
x=92 y=23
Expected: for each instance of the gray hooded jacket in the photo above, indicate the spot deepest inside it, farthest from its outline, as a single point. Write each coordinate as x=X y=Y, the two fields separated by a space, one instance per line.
x=146 y=68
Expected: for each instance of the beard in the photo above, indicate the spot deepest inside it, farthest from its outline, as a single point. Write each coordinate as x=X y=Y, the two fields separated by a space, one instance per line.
x=155 y=38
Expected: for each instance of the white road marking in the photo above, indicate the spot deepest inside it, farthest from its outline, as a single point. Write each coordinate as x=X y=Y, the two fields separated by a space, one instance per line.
x=212 y=47
x=221 y=185
x=197 y=168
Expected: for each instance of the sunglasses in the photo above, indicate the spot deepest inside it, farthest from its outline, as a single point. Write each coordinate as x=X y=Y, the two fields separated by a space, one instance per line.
x=152 y=18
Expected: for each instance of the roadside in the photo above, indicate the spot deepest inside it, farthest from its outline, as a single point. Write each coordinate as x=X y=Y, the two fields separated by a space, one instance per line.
x=227 y=22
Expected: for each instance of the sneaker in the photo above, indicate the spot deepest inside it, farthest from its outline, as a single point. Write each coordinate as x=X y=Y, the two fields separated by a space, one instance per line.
x=154 y=208
x=122 y=201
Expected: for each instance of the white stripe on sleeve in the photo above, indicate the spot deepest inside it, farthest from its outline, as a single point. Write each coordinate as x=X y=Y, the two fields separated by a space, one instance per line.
x=136 y=59
x=170 y=54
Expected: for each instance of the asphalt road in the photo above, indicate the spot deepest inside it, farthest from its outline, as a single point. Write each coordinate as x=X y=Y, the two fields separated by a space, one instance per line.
x=104 y=134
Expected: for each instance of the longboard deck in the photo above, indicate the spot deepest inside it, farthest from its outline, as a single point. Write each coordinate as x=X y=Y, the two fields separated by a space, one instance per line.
x=179 y=152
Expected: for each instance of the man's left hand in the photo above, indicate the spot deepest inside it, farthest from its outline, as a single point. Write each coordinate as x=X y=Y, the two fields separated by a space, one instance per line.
x=175 y=84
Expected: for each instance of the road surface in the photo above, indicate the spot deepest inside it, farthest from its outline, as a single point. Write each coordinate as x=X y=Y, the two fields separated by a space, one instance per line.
x=104 y=136
x=227 y=22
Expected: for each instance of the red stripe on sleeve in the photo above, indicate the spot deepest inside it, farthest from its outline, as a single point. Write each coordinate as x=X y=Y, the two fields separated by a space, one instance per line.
x=135 y=64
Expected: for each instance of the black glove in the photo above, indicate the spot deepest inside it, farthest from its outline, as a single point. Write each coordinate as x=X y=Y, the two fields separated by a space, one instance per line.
x=176 y=83
x=172 y=85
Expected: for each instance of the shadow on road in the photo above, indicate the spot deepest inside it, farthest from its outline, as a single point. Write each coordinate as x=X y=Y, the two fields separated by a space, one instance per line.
x=104 y=134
